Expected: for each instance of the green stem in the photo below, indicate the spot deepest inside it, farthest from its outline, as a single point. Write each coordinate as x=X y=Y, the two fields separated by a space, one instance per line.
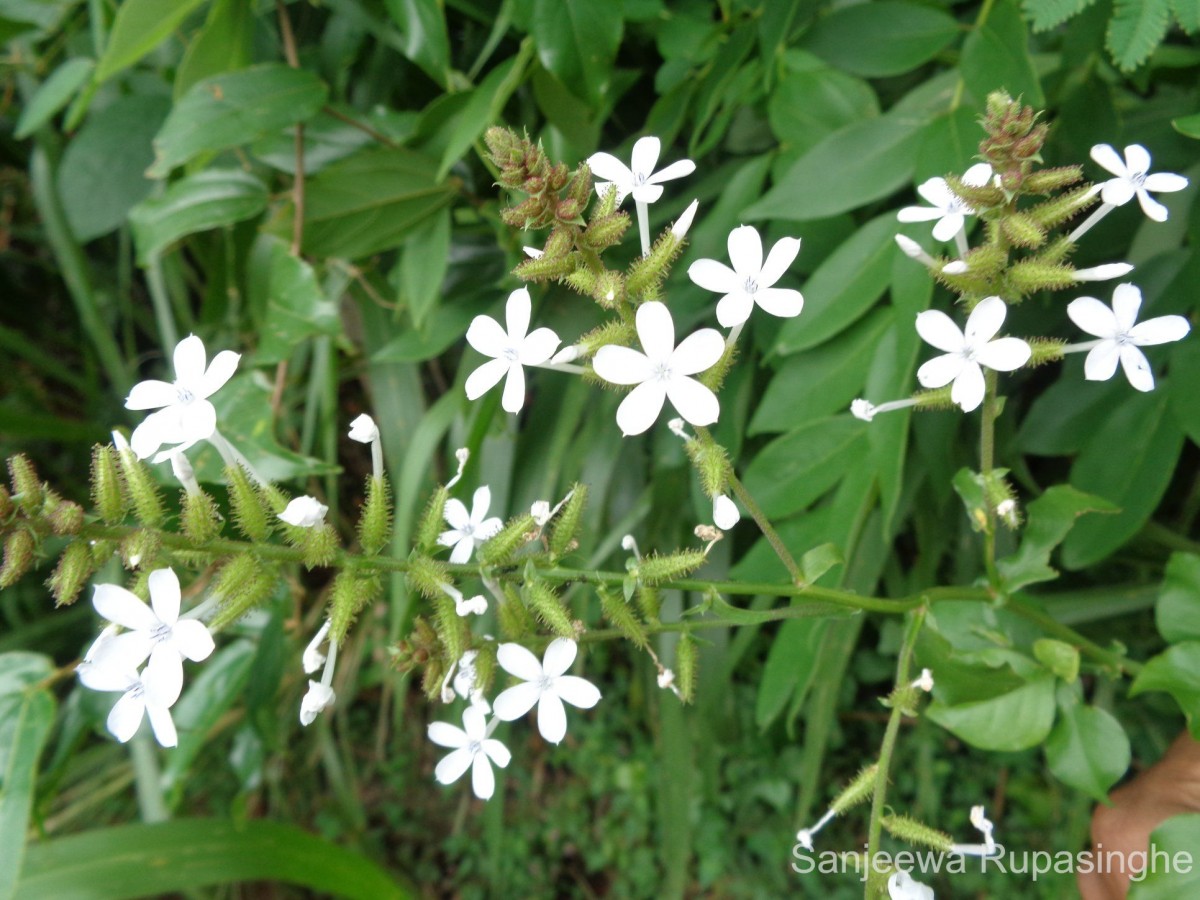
x=147 y=779
x=1066 y=633
x=987 y=458
x=879 y=800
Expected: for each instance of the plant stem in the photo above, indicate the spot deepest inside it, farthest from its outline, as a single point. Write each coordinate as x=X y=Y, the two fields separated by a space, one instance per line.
x=1066 y=633
x=987 y=456
x=147 y=779
x=289 y=51
x=878 y=801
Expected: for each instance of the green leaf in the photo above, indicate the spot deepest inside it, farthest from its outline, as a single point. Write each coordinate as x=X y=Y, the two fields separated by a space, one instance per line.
x=830 y=375
x=996 y=56
x=222 y=45
x=1045 y=14
x=1063 y=416
x=1177 y=612
x=843 y=287
x=426 y=41
x=1135 y=30
x=485 y=106
x=1088 y=750
x=297 y=308
x=1175 y=671
x=577 y=40
x=1187 y=14
x=235 y=108
x=1175 y=840
x=422 y=269
x=1050 y=517
x=1135 y=479
x=1016 y=720
x=794 y=470
x=790 y=667
x=812 y=100
x=1059 y=657
x=326 y=140
x=948 y=146
x=102 y=173
x=851 y=167
x=180 y=856
x=1185 y=375
x=368 y=202
x=209 y=199
x=1189 y=125
x=53 y=94
x=888 y=37
x=139 y=27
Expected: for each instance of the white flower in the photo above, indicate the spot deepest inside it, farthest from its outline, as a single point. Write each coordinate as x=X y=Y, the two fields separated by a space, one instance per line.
x=863 y=409
x=750 y=281
x=305 y=512
x=641 y=180
x=545 y=684
x=316 y=698
x=1133 y=179
x=186 y=416
x=1106 y=272
x=684 y=223
x=725 y=512
x=312 y=658
x=155 y=632
x=463 y=606
x=364 y=430
x=510 y=350
x=925 y=682
x=540 y=512
x=966 y=352
x=901 y=886
x=662 y=372
x=471 y=748
x=150 y=694
x=1120 y=337
x=947 y=207
x=468 y=530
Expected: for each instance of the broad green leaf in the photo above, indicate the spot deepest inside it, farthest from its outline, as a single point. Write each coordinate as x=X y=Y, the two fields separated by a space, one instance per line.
x=485 y=106
x=1175 y=671
x=843 y=287
x=996 y=57
x=1088 y=750
x=1050 y=517
x=1177 y=613
x=577 y=40
x=326 y=140
x=235 y=108
x=819 y=560
x=812 y=100
x=1059 y=657
x=426 y=41
x=790 y=667
x=1174 y=842
x=794 y=470
x=53 y=94
x=209 y=199
x=1016 y=720
x=948 y=145
x=851 y=167
x=1064 y=415
x=440 y=331
x=167 y=857
x=422 y=268
x=1044 y=14
x=1135 y=479
x=961 y=678
x=1187 y=14
x=222 y=45
x=1135 y=30
x=368 y=202
x=297 y=308
x=822 y=381
x=139 y=27
x=102 y=175
x=888 y=37
x=1185 y=375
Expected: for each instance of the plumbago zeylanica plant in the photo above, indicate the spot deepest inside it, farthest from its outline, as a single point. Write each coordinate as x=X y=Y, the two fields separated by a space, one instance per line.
x=498 y=635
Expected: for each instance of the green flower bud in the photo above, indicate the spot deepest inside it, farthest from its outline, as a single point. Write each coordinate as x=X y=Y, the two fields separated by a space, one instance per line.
x=426 y=576
x=200 y=519
x=6 y=504
x=147 y=503
x=711 y=463
x=911 y=831
x=431 y=521
x=452 y=629
x=1028 y=276
x=605 y=232
x=649 y=601
x=564 y=533
x=108 y=488
x=250 y=513
x=685 y=667
x=65 y=517
x=102 y=551
x=581 y=281
x=516 y=533
x=980 y=197
x=548 y=607
x=141 y=549
x=545 y=268
x=375 y=522
x=617 y=611
x=615 y=331
x=609 y=289
x=515 y=620
x=1045 y=350
x=1047 y=181
x=432 y=678
x=860 y=789
x=1059 y=209
x=580 y=187
x=319 y=546
x=74 y=568
x=714 y=377
x=26 y=486
x=655 y=569
x=647 y=273
x=1021 y=230
x=245 y=582
x=18 y=557
x=485 y=667
x=352 y=592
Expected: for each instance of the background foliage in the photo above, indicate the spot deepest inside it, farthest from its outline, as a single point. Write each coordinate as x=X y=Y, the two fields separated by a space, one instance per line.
x=152 y=189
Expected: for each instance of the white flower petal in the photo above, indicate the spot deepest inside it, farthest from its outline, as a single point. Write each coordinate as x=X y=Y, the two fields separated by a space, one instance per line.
x=126 y=716
x=481 y=501
x=1117 y=192
x=697 y=352
x=782 y=255
x=1137 y=159
x=163 y=676
x=948 y=226
x=978 y=175
x=1161 y=330
x=713 y=276
x=577 y=691
x=941 y=370
x=151 y=395
x=497 y=752
x=1127 y=301
x=734 y=308
x=199 y=421
x=645 y=155
x=647 y=193
x=936 y=192
x=514 y=389
x=621 y=365
x=969 y=387
x=538 y=347
x=919 y=214
x=783 y=302
x=189 y=361
x=745 y=251
x=363 y=429
x=641 y=407
x=193 y=640
x=1151 y=207
x=517 y=660
x=1004 y=354
x=1137 y=368
x=1093 y=317
x=461 y=553
x=678 y=169
x=100 y=677
x=656 y=330
x=692 y=400
x=162 y=725
x=552 y=718
x=125 y=651
x=474 y=723
x=118 y=605
x=516 y=701
x=1108 y=159
x=446 y=735
x=452 y=766
x=938 y=329
x=1165 y=182
x=607 y=167
x=558 y=656
x=725 y=512
x=219 y=371
x=456 y=516
x=1101 y=362
x=165 y=595
x=486 y=336
x=483 y=782
x=486 y=377
x=304 y=512
x=517 y=311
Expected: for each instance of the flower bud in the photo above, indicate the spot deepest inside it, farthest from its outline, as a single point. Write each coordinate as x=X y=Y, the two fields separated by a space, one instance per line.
x=199 y=517
x=26 y=486
x=515 y=534
x=656 y=569
x=74 y=568
x=18 y=557
x=545 y=268
x=246 y=581
x=1046 y=181
x=685 y=667
x=108 y=488
x=515 y=621
x=1059 y=209
x=140 y=549
x=615 y=331
x=432 y=678
x=431 y=520
x=711 y=463
x=565 y=532
x=580 y=187
x=714 y=377
x=609 y=289
x=911 y=831
x=452 y=629
x=147 y=503
x=649 y=601
x=617 y=611
x=647 y=273
x=251 y=515
x=860 y=789
x=426 y=576
x=606 y=231
x=1021 y=230
x=568 y=210
x=1044 y=350
x=65 y=516
x=352 y=592
x=548 y=607
x=375 y=522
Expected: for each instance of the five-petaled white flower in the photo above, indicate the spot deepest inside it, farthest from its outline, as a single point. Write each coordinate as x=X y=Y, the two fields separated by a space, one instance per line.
x=468 y=530
x=948 y=208
x=470 y=748
x=901 y=886
x=155 y=632
x=966 y=352
x=662 y=372
x=1133 y=179
x=510 y=350
x=641 y=180
x=750 y=280
x=1120 y=337
x=151 y=694
x=186 y=416
x=304 y=512
x=545 y=684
